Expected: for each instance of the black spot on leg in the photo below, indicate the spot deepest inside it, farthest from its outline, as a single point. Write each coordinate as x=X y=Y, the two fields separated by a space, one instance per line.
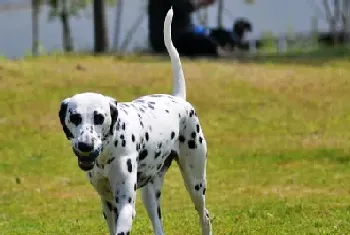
x=197 y=128
x=200 y=139
x=133 y=138
x=123 y=126
x=122 y=233
x=159 y=213
x=128 y=163
x=123 y=143
x=116 y=143
x=158 y=193
x=134 y=187
x=116 y=199
x=122 y=136
x=143 y=154
x=147 y=136
x=197 y=187
x=192 y=144
x=110 y=160
x=167 y=111
x=90 y=175
x=182 y=138
x=109 y=205
x=204 y=189
x=172 y=135
x=129 y=199
x=104 y=215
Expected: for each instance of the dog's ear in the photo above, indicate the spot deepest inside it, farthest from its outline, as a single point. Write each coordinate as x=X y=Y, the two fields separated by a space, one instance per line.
x=62 y=114
x=114 y=114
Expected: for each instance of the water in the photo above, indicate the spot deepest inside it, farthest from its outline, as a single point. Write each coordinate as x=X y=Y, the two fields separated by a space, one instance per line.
x=278 y=16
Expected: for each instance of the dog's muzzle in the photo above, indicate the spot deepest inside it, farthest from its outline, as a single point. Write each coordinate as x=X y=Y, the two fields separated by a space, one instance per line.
x=86 y=159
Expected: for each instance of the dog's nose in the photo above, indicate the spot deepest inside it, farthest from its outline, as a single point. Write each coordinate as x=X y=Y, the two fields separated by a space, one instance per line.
x=85 y=147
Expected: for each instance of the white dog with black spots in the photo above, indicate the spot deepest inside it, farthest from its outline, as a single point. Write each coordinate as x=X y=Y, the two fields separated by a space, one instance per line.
x=126 y=146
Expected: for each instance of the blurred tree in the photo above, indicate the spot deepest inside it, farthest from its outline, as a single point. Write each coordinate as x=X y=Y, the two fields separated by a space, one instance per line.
x=100 y=27
x=35 y=27
x=64 y=9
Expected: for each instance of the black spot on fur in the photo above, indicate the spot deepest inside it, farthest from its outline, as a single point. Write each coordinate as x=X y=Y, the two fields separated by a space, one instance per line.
x=122 y=136
x=110 y=160
x=122 y=233
x=182 y=138
x=200 y=139
x=150 y=106
x=143 y=154
x=134 y=187
x=158 y=193
x=116 y=199
x=204 y=189
x=193 y=135
x=157 y=153
x=109 y=205
x=104 y=215
x=62 y=116
x=128 y=163
x=137 y=147
x=90 y=175
x=123 y=126
x=133 y=138
x=159 y=212
x=197 y=187
x=116 y=143
x=192 y=144
x=197 y=128
x=192 y=113
x=147 y=136
x=114 y=115
x=123 y=143
x=129 y=199
x=167 y=111
x=172 y=135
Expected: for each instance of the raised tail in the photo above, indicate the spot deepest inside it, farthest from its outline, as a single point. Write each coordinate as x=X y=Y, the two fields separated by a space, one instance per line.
x=179 y=85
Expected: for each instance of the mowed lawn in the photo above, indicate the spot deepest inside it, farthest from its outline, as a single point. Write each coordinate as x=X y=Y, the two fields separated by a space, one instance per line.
x=278 y=137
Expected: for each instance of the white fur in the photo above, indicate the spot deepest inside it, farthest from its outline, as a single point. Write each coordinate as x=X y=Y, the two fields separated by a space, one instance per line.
x=133 y=145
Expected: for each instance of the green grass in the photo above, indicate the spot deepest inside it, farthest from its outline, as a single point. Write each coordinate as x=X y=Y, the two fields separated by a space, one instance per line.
x=278 y=137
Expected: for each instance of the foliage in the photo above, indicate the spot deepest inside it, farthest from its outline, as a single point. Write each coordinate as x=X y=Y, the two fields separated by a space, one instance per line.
x=277 y=133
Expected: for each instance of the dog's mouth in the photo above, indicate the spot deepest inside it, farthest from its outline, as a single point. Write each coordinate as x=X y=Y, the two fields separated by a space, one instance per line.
x=86 y=165
x=86 y=161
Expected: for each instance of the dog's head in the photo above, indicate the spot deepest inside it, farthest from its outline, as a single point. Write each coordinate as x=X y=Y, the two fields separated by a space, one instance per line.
x=241 y=26
x=88 y=120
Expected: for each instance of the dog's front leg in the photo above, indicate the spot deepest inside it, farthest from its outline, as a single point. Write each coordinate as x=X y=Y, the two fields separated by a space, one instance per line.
x=123 y=177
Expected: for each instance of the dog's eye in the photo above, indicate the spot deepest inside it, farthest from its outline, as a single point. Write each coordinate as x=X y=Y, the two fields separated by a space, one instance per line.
x=75 y=119
x=98 y=119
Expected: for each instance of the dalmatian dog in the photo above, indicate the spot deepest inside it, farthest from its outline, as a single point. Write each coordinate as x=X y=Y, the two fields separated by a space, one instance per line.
x=127 y=146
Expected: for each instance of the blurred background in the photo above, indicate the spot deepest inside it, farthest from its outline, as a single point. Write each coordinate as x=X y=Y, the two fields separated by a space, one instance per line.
x=31 y=27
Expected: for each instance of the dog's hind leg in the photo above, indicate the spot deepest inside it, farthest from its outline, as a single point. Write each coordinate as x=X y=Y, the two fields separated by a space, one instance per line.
x=192 y=162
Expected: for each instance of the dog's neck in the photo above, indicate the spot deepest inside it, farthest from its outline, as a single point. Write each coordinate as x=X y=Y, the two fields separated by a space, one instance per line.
x=107 y=151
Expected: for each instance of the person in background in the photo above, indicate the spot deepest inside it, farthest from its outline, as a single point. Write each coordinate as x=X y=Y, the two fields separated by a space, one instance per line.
x=189 y=39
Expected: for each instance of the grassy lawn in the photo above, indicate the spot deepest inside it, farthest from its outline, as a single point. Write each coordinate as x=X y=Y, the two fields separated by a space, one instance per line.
x=278 y=137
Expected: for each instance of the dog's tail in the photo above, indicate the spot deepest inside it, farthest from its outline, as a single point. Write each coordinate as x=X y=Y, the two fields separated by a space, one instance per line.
x=179 y=85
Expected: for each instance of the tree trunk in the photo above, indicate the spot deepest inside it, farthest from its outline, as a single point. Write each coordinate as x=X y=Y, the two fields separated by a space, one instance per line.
x=220 y=12
x=35 y=27
x=118 y=21
x=100 y=27
x=66 y=31
x=346 y=20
